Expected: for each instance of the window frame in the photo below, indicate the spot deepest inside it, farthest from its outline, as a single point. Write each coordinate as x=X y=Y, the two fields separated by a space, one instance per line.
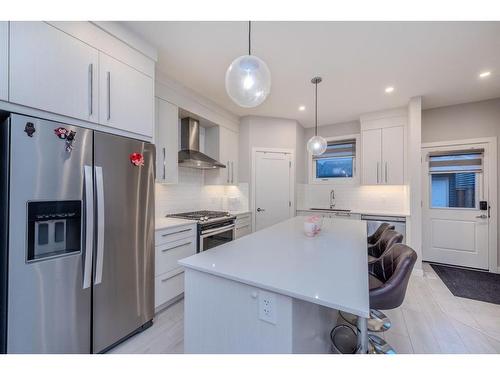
x=337 y=180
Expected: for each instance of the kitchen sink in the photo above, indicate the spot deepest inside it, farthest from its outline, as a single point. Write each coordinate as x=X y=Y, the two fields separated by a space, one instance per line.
x=329 y=209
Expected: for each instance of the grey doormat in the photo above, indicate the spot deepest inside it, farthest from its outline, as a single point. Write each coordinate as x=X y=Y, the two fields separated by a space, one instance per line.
x=478 y=285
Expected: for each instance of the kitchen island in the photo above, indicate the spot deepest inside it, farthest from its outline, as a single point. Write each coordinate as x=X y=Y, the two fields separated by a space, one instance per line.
x=276 y=290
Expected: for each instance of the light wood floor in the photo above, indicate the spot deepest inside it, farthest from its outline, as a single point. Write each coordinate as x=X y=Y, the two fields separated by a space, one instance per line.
x=431 y=320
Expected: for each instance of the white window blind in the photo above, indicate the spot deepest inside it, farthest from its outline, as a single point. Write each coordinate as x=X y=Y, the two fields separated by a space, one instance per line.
x=337 y=149
x=462 y=161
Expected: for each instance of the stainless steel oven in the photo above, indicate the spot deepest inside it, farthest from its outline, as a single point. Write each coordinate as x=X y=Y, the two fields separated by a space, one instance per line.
x=215 y=234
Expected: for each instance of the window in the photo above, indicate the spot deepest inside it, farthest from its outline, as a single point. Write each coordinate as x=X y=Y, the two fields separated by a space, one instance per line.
x=455 y=178
x=337 y=163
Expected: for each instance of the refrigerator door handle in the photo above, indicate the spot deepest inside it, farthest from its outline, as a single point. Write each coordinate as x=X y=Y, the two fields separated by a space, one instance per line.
x=100 y=225
x=89 y=226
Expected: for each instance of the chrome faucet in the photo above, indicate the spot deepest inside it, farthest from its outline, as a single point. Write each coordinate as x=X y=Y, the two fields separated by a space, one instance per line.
x=332 y=199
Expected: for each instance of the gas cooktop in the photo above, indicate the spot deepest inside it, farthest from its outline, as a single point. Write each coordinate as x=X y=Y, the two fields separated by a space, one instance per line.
x=203 y=216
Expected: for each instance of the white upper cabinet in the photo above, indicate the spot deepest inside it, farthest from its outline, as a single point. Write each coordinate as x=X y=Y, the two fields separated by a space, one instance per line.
x=126 y=97
x=393 y=142
x=371 y=144
x=52 y=71
x=4 y=60
x=226 y=151
x=167 y=142
x=383 y=150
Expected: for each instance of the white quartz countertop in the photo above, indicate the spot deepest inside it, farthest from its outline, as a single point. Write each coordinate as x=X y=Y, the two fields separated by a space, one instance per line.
x=363 y=212
x=170 y=222
x=329 y=269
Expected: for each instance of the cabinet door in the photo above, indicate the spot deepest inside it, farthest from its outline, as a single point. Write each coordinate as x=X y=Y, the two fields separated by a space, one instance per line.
x=166 y=140
x=4 y=60
x=371 y=145
x=52 y=71
x=228 y=155
x=393 y=155
x=228 y=144
x=126 y=97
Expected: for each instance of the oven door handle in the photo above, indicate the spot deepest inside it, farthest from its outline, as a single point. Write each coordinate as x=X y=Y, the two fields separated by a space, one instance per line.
x=216 y=231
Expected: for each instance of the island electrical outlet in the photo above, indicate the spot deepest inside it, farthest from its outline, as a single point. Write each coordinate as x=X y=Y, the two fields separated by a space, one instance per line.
x=267 y=307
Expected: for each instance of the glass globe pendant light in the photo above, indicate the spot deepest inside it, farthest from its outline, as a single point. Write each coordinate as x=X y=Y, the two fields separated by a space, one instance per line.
x=317 y=144
x=248 y=79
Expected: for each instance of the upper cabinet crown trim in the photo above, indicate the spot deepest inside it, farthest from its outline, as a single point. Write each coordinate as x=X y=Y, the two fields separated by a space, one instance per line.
x=102 y=40
x=397 y=112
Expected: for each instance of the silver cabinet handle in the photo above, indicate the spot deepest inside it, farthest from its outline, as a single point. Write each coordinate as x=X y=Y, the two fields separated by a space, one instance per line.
x=109 y=94
x=386 y=172
x=91 y=89
x=378 y=173
x=100 y=225
x=260 y=209
x=164 y=175
x=89 y=226
x=232 y=172
x=228 y=171
x=483 y=216
x=175 y=247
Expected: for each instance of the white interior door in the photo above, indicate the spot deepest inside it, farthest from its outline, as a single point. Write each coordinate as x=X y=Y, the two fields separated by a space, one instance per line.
x=455 y=181
x=272 y=188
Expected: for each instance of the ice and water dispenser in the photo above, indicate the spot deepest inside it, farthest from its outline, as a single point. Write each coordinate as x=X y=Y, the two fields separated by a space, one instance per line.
x=54 y=228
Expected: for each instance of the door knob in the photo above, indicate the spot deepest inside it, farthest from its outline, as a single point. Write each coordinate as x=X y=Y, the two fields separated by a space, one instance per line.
x=483 y=216
x=260 y=209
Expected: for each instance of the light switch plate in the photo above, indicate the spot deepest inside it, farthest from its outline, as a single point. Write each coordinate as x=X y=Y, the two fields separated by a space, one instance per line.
x=267 y=307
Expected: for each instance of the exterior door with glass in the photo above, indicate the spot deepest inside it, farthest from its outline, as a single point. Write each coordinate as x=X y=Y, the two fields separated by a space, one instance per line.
x=455 y=207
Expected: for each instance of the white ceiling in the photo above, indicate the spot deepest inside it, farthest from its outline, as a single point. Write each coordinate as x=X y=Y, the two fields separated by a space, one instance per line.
x=357 y=60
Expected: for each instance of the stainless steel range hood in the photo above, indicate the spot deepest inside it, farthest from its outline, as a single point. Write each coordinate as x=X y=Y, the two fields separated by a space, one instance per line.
x=190 y=155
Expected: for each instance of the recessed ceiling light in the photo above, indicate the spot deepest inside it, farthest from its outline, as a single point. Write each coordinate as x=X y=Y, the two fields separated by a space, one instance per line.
x=484 y=74
x=389 y=89
x=302 y=108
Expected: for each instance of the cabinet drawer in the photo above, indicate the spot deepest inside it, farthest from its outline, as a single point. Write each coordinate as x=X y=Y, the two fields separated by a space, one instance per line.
x=243 y=231
x=167 y=255
x=242 y=221
x=164 y=236
x=168 y=286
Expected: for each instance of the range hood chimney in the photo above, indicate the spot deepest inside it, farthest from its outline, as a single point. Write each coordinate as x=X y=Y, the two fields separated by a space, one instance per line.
x=190 y=155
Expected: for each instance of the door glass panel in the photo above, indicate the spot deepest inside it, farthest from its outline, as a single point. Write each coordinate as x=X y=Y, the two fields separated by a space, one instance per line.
x=454 y=190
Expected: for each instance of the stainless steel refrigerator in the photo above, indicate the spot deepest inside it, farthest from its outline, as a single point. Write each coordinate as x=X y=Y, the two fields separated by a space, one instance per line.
x=77 y=232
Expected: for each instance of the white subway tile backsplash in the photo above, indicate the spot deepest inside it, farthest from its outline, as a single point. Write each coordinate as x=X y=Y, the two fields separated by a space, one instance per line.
x=377 y=198
x=190 y=194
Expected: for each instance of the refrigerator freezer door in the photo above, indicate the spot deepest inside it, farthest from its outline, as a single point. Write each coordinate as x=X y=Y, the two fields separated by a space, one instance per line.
x=123 y=296
x=49 y=309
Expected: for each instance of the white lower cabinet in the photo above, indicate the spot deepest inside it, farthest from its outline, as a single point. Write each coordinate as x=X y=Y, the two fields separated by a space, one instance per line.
x=172 y=244
x=4 y=60
x=126 y=97
x=243 y=225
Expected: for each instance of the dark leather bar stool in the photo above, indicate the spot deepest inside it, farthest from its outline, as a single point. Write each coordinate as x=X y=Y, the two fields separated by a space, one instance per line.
x=373 y=238
x=388 y=279
x=378 y=321
x=388 y=238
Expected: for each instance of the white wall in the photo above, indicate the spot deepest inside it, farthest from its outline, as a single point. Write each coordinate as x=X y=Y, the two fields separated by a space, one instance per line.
x=463 y=121
x=257 y=131
x=414 y=177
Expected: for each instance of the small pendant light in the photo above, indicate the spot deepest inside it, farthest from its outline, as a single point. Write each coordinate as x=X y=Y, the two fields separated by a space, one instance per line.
x=248 y=79
x=317 y=144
